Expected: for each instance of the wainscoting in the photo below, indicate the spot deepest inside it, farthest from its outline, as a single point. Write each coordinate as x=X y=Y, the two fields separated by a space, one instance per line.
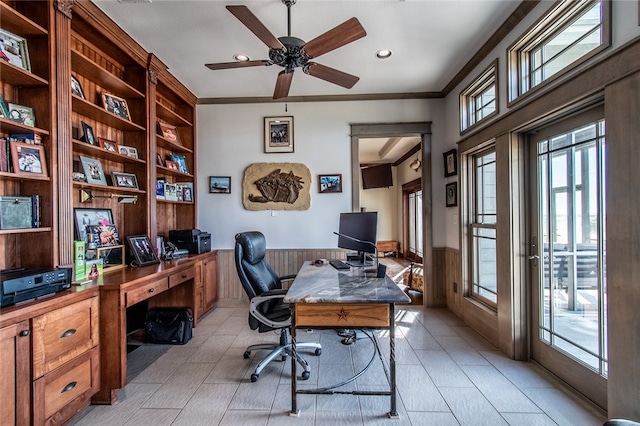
x=446 y=267
x=283 y=262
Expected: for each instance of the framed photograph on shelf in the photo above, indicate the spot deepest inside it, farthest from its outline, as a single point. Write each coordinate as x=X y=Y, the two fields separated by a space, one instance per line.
x=124 y=180
x=93 y=171
x=22 y=114
x=187 y=192
x=116 y=105
x=172 y=165
x=278 y=134
x=160 y=188
x=76 y=87
x=101 y=235
x=181 y=161
x=85 y=217
x=129 y=151
x=87 y=134
x=14 y=50
x=169 y=132
x=170 y=192
x=452 y=194
x=450 y=163
x=142 y=250
x=28 y=159
x=220 y=184
x=160 y=161
x=329 y=183
x=108 y=145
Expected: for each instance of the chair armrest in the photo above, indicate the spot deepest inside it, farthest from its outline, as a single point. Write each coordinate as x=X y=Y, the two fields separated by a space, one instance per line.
x=264 y=297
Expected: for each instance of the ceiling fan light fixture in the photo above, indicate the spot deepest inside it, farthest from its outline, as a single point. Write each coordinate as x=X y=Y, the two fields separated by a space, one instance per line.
x=383 y=54
x=239 y=57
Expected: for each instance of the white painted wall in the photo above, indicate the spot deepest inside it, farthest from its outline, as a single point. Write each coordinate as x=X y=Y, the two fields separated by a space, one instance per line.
x=230 y=138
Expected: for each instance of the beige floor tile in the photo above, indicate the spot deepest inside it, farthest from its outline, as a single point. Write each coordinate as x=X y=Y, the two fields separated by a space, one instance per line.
x=207 y=406
x=176 y=392
x=471 y=408
x=417 y=391
x=153 y=417
x=245 y=417
x=421 y=418
x=442 y=369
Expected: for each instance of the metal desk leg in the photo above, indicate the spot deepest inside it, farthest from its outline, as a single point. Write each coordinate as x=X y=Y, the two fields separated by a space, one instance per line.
x=393 y=413
x=294 y=379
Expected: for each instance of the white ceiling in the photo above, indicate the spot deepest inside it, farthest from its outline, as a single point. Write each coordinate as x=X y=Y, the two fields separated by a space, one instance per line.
x=430 y=40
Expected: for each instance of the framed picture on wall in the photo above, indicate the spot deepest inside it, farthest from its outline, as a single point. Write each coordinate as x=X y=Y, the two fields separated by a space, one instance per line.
x=220 y=184
x=278 y=134
x=329 y=183
x=452 y=194
x=450 y=163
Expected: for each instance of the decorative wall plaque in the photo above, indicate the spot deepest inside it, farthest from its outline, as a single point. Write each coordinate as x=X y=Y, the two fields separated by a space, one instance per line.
x=276 y=186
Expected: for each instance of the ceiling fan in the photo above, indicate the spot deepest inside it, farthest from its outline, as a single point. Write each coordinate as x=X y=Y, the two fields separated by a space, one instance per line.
x=291 y=52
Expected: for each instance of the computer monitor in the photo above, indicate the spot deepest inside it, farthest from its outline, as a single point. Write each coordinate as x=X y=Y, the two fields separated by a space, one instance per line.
x=358 y=231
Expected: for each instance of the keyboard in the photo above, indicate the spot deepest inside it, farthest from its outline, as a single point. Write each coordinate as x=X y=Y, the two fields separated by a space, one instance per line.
x=339 y=264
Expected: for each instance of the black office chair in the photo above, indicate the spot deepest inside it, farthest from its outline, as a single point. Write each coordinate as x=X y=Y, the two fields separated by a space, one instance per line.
x=266 y=311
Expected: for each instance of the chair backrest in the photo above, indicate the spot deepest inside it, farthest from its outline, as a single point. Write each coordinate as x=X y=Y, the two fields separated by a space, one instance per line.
x=254 y=272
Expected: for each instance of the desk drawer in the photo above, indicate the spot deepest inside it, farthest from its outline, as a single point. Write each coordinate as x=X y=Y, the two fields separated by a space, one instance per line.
x=146 y=291
x=56 y=393
x=182 y=276
x=342 y=315
x=63 y=334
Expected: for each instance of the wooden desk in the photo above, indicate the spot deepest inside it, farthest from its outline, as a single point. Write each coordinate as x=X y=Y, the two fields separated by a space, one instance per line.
x=323 y=297
x=176 y=283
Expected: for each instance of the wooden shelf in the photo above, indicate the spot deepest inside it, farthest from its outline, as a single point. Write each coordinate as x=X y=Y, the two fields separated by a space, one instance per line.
x=163 y=171
x=15 y=176
x=171 y=117
x=88 y=68
x=19 y=77
x=97 y=152
x=95 y=112
x=160 y=200
x=25 y=230
x=107 y=188
x=10 y=126
x=163 y=142
x=13 y=21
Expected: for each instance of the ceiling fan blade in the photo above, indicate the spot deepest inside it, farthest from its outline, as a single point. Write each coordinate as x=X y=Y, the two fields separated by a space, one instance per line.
x=282 y=85
x=345 y=33
x=250 y=21
x=229 y=65
x=331 y=75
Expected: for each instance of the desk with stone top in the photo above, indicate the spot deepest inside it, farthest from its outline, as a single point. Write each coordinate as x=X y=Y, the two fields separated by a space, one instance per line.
x=324 y=297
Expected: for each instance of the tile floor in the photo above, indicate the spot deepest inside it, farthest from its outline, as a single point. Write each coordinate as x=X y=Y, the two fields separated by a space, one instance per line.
x=447 y=375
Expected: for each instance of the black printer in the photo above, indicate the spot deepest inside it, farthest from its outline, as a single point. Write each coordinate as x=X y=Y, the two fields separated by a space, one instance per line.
x=194 y=240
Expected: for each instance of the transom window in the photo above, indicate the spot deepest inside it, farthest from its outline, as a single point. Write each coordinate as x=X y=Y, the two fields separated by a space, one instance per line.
x=478 y=100
x=572 y=32
x=483 y=218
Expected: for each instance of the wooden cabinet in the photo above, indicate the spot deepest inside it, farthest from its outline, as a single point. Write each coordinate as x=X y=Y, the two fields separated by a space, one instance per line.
x=210 y=281
x=49 y=358
x=15 y=372
x=29 y=84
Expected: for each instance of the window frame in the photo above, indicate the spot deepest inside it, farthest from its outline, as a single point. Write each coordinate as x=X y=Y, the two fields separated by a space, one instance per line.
x=560 y=16
x=468 y=96
x=473 y=226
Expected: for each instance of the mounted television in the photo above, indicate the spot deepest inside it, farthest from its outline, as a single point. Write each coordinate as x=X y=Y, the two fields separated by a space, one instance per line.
x=358 y=231
x=378 y=176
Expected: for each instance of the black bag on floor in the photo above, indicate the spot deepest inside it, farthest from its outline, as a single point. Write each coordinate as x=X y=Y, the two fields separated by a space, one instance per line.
x=169 y=325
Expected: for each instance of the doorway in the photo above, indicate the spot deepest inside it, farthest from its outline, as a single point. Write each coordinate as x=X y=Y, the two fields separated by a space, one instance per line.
x=391 y=130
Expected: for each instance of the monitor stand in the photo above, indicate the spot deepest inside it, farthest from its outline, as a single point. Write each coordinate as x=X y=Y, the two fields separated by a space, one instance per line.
x=359 y=260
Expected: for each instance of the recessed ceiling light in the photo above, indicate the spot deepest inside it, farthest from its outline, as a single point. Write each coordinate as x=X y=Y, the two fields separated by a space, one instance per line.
x=383 y=54
x=241 y=58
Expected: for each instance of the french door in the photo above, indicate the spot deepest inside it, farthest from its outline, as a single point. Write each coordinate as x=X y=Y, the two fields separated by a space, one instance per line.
x=412 y=222
x=567 y=252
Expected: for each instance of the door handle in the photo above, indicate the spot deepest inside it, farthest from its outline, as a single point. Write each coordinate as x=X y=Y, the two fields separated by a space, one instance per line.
x=534 y=257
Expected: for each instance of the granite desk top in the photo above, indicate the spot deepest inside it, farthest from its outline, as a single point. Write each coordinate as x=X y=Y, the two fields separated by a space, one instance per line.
x=325 y=284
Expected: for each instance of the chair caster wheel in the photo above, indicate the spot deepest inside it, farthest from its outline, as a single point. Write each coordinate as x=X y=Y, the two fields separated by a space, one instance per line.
x=254 y=378
x=306 y=375
x=318 y=351
x=246 y=355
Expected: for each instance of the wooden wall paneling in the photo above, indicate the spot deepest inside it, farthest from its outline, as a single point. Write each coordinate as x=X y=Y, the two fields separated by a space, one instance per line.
x=622 y=109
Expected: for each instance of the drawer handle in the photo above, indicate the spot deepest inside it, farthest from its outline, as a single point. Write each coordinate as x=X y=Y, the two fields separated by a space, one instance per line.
x=69 y=387
x=184 y=276
x=69 y=332
x=151 y=290
x=25 y=333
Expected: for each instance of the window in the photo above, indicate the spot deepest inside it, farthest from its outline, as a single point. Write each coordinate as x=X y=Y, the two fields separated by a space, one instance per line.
x=479 y=100
x=482 y=248
x=412 y=194
x=570 y=33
